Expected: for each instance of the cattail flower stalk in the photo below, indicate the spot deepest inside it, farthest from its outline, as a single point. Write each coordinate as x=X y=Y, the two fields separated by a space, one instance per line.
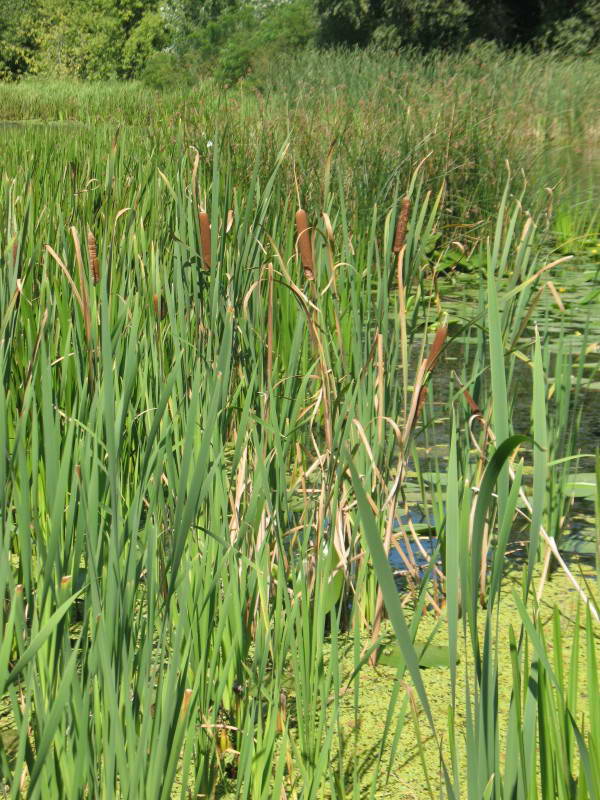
x=304 y=244
x=93 y=256
x=205 y=238
x=401 y=225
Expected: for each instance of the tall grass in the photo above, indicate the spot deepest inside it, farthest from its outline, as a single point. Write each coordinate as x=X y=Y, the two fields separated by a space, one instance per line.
x=368 y=117
x=212 y=432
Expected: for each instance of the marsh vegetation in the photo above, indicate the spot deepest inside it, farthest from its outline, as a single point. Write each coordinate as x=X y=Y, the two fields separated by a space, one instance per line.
x=298 y=423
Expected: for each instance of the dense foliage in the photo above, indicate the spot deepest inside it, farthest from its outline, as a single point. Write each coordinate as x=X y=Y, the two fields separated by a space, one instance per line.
x=183 y=39
x=214 y=427
x=452 y=23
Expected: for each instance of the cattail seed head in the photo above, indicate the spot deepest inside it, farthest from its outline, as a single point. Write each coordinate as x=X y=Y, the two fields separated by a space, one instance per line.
x=436 y=347
x=205 y=238
x=15 y=251
x=401 y=225
x=282 y=712
x=160 y=308
x=185 y=703
x=304 y=244
x=471 y=403
x=421 y=401
x=93 y=255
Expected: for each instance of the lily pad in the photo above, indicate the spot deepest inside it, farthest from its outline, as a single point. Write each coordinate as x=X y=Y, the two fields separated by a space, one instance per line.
x=578 y=546
x=429 y=655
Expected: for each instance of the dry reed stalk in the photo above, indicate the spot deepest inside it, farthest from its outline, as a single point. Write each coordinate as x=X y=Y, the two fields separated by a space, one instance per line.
x=402 y=321
x=236 y=502
x=379 y=606
x=194 y=177
x=401 y=225
x=333 y=283
x=66 y=273
x=93 y=255
x=204 y=220
x=555 y=295
x=229 y=223
x=304 y=244
x=160 y=308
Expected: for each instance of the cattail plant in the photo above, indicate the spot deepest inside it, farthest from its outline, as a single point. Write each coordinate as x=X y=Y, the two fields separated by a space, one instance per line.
x=93 y=256
x=436 y=347
x=304 y=244
x=401 y=225
x=160 y=308
x=204 y=220
x=226 y=490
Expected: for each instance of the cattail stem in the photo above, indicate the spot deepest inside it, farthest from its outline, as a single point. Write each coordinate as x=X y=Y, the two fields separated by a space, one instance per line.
x=380 y=388
x=85 y=302
x=403 y=329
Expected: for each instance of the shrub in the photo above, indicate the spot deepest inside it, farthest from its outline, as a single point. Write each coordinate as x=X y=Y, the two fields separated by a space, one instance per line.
x=147 y=38
x=578 y=34
x=165 y=71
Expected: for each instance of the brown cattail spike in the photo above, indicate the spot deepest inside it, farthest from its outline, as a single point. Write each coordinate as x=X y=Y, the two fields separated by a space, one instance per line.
x=159 y=307
x=421 y=402
x=401 y=225
x=185 y=703
x=93 y=254
x=205 y=238
x=304 y=245
x=282 y=712
x=15 y=250
x=436 y=347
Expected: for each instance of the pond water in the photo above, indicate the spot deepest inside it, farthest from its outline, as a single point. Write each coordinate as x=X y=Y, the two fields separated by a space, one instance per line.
x=579 y=328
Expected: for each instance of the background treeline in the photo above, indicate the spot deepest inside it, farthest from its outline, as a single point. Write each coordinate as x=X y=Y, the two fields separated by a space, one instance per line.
x=164 y=42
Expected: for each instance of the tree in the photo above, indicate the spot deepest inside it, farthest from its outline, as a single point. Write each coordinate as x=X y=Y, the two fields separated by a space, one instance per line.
x=571 y=27
x=185 y=17
x=98 y=39
x=568 y=25
x=424 y=23
x=17 y=42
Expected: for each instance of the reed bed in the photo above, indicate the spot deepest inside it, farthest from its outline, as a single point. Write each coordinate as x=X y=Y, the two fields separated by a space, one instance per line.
x=214 y=432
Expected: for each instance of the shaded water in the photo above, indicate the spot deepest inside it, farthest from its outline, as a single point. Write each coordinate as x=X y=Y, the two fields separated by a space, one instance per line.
x=577 y=331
